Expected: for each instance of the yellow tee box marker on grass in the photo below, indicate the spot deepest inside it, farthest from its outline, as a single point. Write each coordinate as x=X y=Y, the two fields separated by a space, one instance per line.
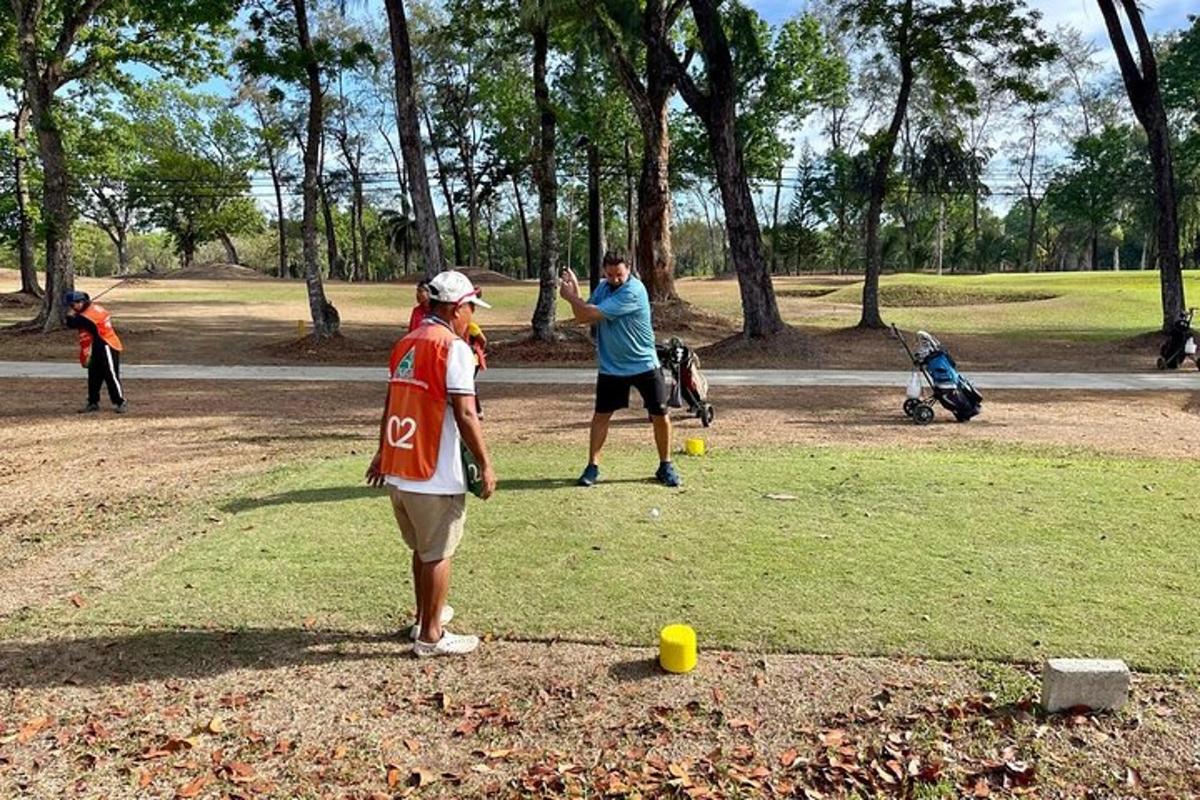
x=694 y=447
x=677 y=648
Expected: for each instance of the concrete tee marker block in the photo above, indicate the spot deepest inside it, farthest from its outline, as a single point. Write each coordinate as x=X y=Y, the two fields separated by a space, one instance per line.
x=1097 y=684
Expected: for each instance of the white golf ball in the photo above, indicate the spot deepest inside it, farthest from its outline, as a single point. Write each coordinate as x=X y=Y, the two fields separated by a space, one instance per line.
x=654 y=513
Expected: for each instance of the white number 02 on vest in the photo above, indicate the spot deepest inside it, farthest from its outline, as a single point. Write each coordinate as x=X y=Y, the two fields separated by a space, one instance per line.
x=401 y=431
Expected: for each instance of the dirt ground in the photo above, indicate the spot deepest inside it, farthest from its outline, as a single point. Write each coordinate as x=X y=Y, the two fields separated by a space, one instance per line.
x=277 y=713
x=247 y=332
x=129 y=713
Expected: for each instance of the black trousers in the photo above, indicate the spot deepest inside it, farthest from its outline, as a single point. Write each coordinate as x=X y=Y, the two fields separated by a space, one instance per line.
x=105 y=367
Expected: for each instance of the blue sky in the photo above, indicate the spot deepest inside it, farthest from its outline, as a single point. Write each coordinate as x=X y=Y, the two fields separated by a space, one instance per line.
x=1082 y=14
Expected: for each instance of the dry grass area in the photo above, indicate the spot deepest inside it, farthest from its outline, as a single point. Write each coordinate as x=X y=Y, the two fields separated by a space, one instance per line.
x=209 y=317
x=297 y=712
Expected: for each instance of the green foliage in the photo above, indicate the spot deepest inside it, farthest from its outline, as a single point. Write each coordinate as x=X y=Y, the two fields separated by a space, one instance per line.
x=178 y=38
x=193 y=180
x=273 y=51
x=783 y=75
x=1105 y=174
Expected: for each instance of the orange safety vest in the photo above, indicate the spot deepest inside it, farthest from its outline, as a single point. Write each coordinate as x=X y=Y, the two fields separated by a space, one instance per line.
x=103 y=322
x=416 y=402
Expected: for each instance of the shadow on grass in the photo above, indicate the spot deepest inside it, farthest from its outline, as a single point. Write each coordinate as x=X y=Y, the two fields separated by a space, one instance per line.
x=546 y=484
x=328 y=494
x=156 y=655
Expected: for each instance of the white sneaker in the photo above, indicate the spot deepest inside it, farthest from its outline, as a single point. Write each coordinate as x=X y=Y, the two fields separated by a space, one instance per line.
x=449 y=645
x=447 y=615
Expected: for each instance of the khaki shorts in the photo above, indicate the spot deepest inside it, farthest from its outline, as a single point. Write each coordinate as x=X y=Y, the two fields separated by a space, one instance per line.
x=431 y=524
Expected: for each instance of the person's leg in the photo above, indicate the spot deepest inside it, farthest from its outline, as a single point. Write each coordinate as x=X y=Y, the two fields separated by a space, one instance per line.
x=440 y=520
x=112 y=376
x=599 y=434
x=653 y=389
x=435 y=585
x=612 y=394
x=662 y=436
x=416 y=575
x=96 y=367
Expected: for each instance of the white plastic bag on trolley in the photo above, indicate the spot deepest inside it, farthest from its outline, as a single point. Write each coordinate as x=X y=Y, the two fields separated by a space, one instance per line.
x=913 y=392
x=1189 y=346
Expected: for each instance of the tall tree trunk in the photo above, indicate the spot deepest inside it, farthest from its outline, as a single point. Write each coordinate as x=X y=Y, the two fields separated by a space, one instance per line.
x=361 y=201
x=775 y=220
x=280 y=219
x=410 y=140
x=355 y=271
x=1031 y=234
x=489 y=213
x=941 y=233
x=718 y=111
x=529 y=268
x=974 y=227
x=39 y=86
x=655 y=260
x=1144 y=95
x=332 y=254
x=650 y=100
x=545 y=174
x=447 y=195
x=231 y=253
x=595 y=216
x=277 y=185
x=472 y=203
x=402 y=179
x=325 y=317
x=630 y=225
x=123 y=252
x=57 y=214
x=879 y=175
x=25 y=254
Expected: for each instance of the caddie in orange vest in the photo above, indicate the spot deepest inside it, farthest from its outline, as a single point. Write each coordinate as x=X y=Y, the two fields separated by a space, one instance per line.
x=99 y=350
x=431 y=451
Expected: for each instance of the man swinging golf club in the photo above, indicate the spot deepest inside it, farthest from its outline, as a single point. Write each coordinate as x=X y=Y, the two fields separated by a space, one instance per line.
x=620 y=310
x=428 y=418
x=99 y=350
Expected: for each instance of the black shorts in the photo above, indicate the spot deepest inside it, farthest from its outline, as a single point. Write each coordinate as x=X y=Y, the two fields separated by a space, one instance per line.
x=612 y=392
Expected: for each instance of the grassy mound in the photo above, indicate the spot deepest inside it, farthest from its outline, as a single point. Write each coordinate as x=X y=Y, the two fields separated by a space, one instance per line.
x=924 y=296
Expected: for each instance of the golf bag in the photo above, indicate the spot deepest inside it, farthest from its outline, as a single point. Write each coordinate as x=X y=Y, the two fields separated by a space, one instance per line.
x=1180 y=344
x=687 y=387
x=934 y=367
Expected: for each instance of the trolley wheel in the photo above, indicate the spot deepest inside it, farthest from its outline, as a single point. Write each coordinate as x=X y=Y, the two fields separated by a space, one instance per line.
x=707 y=415
x=1161 y=363
x=923 y=414
x=910 y=405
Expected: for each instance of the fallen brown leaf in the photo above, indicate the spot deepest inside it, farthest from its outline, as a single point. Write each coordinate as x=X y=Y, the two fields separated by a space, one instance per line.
x=32 y=728
x=194 y=787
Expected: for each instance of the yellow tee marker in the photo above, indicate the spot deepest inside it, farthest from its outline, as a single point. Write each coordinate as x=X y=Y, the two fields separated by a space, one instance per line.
x=694 y=447
x=677 y=648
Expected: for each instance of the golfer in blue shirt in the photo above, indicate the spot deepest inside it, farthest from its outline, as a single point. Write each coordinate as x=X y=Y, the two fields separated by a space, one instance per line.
x=620 y=310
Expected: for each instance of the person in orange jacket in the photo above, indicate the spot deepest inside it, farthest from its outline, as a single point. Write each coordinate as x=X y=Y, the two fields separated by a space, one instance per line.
x=99 y=350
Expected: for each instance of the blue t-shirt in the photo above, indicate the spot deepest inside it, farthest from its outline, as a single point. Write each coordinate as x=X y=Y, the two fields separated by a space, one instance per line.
x=624 y=338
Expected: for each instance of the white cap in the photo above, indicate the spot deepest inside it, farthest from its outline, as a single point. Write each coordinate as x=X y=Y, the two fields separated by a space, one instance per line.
x=455 y=288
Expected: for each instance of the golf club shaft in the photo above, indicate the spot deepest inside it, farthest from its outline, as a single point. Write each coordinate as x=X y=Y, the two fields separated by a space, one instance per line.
x=109 y=289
